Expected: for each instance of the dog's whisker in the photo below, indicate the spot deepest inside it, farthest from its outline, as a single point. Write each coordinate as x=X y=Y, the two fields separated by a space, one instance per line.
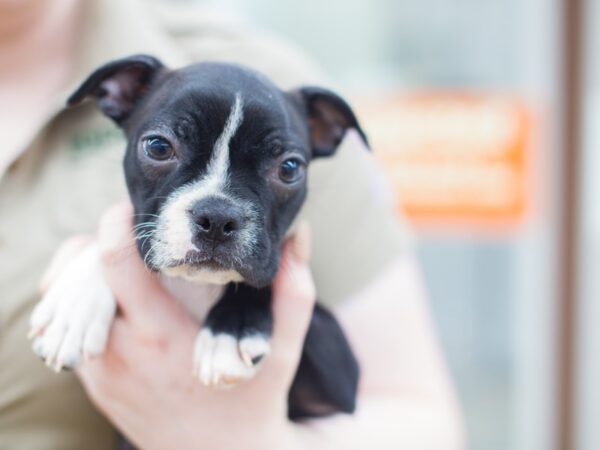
x=144 y=214
x=144 y=225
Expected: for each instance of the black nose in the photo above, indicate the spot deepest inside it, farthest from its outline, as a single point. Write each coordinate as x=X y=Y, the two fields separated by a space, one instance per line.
x=216 y=219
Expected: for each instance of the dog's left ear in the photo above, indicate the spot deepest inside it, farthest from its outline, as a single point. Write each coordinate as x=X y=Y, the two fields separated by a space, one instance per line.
x=118 y=85
x=328 y=116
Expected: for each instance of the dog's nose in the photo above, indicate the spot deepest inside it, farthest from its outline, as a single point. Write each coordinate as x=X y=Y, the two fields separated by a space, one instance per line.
x=216 y=219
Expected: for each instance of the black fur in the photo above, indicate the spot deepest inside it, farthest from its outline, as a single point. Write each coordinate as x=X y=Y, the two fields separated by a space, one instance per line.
x=242 y=311
x=327 y=377
x=188 y=108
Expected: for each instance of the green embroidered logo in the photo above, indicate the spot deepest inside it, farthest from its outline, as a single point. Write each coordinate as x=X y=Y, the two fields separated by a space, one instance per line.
x=95 y=139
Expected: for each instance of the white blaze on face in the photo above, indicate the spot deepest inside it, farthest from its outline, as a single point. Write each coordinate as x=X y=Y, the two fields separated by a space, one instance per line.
x=218 y=168
x=173 y=238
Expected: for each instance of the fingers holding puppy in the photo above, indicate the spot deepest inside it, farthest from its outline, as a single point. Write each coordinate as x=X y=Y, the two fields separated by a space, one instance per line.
x=142 y=299
x=294 y=297
x=72 y=321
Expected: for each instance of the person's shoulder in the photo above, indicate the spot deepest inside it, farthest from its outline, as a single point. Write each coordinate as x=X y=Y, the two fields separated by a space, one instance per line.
x=205 y=33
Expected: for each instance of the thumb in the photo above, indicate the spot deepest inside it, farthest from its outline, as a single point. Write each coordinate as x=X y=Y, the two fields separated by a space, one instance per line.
x=293 y=302
x=139 y=294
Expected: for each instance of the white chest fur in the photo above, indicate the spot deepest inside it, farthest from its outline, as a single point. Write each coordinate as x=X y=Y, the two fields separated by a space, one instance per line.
x=196 y=298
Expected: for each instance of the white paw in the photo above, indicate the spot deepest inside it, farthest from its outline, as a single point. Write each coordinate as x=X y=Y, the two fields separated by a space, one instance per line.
x=73 y=319
x=222 y=361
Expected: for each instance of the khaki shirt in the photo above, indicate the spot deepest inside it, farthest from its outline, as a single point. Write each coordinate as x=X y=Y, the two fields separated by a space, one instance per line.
x=71 y=172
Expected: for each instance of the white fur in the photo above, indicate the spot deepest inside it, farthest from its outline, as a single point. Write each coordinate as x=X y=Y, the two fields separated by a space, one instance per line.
x=73 y=319
x=254 y=346
x=217 y=174
x=222 y=361
x=203 y=276
x=197 y=298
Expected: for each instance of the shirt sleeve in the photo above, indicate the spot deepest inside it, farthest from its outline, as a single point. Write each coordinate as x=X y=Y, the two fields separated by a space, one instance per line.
x=356 y=231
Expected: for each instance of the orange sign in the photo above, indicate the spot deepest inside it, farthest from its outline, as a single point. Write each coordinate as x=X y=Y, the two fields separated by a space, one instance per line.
x=452 y=157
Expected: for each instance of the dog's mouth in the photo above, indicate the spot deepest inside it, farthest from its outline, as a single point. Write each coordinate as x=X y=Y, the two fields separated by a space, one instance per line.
x=202 y=267
x=202 y=260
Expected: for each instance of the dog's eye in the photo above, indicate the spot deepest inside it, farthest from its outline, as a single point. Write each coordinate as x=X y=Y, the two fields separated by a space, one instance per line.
x=158 y=148
x=291 y=170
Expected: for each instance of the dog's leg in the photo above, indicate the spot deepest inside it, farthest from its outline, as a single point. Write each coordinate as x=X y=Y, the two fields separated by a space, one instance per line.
x=73 y=318
x=234 y=337
x=327 y=378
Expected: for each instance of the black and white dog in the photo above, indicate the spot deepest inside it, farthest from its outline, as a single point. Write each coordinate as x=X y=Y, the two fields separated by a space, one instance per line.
x=215 y=166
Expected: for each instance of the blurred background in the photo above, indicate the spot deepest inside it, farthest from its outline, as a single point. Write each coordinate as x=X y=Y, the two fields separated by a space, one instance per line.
x=483 y=113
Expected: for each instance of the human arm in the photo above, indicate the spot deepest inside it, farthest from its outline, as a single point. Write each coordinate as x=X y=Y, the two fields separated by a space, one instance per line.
x=406 y=399
x=143 y=382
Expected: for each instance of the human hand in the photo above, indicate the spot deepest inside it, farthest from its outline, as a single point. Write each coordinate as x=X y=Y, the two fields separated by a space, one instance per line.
x=143 y=381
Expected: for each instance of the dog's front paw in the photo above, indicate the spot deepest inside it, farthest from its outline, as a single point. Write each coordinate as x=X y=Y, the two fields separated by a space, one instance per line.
x=73 y=319
x=223 y=360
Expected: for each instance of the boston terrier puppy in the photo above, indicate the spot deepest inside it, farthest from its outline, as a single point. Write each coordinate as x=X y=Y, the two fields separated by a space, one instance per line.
x=216 y=166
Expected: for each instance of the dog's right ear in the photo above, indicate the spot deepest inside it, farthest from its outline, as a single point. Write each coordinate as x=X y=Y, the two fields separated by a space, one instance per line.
x=118 y=85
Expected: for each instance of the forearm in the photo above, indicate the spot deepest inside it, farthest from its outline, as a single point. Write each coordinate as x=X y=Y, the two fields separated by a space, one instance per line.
x=406 y=398
x=385 y=423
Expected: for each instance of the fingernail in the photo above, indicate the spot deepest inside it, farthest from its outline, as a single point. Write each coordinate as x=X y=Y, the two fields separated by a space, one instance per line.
x=301 y=243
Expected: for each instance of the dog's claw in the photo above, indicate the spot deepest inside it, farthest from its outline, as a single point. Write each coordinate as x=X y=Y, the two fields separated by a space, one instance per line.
x=58 y=366
x=253 y=349
x=247 y=358
x=34 y=332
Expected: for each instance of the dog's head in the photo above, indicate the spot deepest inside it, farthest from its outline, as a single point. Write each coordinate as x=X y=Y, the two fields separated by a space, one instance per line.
x=216 y=161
